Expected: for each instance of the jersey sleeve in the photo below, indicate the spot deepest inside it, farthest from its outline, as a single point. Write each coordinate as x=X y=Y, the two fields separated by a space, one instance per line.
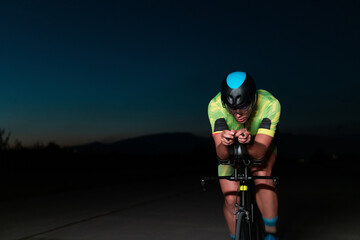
x=270 y=119
x=216 y=118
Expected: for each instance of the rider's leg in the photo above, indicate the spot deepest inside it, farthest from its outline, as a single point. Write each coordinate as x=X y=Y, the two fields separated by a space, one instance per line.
x=266 y=196
x=229 y=189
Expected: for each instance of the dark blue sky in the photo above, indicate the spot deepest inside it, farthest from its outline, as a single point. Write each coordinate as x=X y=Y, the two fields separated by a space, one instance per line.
x=79 y=71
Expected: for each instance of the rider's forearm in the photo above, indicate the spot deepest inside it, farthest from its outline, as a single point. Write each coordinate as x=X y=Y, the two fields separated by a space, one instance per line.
x=222 y=151
x=257 y=150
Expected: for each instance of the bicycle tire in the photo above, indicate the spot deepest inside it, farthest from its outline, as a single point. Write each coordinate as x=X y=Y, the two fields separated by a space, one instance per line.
x=242 y=228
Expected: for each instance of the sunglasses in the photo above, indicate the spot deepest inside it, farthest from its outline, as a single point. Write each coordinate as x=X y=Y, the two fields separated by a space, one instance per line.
x=240 y=110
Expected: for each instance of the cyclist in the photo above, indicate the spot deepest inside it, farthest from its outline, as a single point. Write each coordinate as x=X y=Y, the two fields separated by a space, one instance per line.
x=242 y=113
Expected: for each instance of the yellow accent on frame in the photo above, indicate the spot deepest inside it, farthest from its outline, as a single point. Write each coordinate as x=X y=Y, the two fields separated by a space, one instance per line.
x=243 y=188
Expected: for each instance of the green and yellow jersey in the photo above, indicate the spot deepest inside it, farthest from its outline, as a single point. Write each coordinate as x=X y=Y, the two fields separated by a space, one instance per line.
x=264 y=117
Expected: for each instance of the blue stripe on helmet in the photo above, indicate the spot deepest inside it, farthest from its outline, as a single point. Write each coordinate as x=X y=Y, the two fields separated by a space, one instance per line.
x=235 y=79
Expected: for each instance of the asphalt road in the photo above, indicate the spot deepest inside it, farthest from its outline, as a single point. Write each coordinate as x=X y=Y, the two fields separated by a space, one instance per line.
x=311 y=207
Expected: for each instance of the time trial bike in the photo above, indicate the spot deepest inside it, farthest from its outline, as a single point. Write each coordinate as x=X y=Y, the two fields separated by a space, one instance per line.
x=249 y=223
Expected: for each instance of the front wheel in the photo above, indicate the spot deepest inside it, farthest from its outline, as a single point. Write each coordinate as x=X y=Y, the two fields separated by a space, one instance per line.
x=242 y=230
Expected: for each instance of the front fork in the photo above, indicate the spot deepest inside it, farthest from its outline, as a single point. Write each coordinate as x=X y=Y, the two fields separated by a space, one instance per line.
x=248 y=211
x=241 y=208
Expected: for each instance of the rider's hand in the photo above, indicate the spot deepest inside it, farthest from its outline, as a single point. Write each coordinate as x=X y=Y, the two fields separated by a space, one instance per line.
x=243 y=136
x=227 y=137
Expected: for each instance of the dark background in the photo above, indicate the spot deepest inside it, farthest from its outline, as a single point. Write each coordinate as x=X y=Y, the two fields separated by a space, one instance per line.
x=75 y=72
x=96 y=94
x=89 y=87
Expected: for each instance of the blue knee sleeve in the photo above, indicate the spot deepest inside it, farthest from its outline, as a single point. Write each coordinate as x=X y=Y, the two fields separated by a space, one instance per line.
x=270 y=222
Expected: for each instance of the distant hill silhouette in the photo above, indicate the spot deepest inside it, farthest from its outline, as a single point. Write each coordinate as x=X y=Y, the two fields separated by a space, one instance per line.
x=290 y=146
x=159 y=144
x=162 y=156
x=312 y=147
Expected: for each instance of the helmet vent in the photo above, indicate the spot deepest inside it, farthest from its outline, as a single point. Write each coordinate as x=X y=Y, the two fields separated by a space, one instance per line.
x=235 y=79
x=238 y=100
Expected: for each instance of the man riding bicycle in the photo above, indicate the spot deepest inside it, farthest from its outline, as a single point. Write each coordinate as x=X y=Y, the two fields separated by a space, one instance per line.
x=242 y=113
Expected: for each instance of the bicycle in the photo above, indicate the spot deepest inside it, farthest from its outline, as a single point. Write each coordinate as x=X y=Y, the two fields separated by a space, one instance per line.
x=249 y=223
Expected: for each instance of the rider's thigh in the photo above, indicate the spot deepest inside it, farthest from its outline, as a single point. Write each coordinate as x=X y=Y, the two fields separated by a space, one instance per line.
x=264 y=169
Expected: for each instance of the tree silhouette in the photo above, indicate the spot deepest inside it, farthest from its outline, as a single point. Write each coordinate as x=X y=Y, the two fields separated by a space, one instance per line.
x=18 y=145
x=4 y=140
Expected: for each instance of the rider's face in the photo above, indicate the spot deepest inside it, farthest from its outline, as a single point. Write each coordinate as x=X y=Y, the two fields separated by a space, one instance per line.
x=241 y=115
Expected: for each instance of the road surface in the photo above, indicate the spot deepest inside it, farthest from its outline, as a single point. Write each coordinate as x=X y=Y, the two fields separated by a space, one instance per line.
x=310 y=208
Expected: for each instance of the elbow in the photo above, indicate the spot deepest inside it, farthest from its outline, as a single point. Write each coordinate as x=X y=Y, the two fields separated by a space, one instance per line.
x=260 y=156
x=222 y=156
x=258 y=151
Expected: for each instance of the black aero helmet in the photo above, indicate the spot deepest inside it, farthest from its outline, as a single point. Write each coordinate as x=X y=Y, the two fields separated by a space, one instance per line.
x=238 y=90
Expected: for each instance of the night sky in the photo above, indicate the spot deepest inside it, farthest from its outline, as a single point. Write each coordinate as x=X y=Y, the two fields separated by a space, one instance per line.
x=74 y=72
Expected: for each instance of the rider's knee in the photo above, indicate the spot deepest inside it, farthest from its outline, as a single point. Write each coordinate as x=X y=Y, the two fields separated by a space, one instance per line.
x=230 y=200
